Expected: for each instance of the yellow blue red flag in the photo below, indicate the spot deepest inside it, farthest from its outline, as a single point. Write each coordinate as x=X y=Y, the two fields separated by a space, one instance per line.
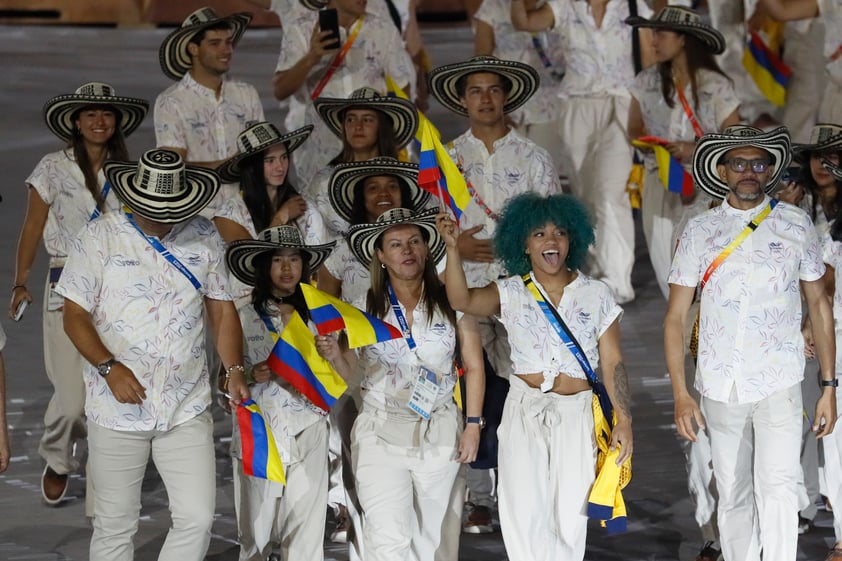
x=671 y=173
x=332 y=314
x=259 y=452
x=296 y=359
x=438 y=174
x=394 y=90
x=769 y=72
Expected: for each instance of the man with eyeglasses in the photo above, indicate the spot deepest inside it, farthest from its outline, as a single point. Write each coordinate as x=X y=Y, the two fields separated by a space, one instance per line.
x=749 y=257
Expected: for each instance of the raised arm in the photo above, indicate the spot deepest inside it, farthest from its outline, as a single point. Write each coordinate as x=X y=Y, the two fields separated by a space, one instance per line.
x=686 y=409
x=287 y=82
x=787 y=10
x=539 y=19
x=821 y=319
x=483 y=301
x=483 y=38
x=616 y=381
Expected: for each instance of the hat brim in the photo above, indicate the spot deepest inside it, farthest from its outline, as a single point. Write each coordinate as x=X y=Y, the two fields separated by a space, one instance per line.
x=241 y=254
x=59 y=111
x=712 y=38
x=524 y=80
x=401 y=111
x=202 y=187
x=712 y=147
x=173 y=55
x=229 y=171
x=314 y=5
x=346 y=177
x=802 y=152
x=362 y=237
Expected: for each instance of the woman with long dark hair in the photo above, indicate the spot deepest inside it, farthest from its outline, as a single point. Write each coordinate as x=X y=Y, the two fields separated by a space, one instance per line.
x=822 y=194
x=65 y=191
x=684 y=95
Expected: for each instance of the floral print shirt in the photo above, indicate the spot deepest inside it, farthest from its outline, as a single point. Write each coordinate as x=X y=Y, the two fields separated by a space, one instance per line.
x=148 y=315
x=344 y=266
x=588 y=309
x=750 y=320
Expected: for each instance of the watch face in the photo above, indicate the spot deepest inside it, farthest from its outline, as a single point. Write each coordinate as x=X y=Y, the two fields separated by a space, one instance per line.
x=105 y=368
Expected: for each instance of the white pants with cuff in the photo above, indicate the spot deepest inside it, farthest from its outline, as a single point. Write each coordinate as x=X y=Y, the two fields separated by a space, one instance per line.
x=405 y=490
x=184 y=457
x=546 y=468
x=294 y=514
x=593 y=130
x=755 y=450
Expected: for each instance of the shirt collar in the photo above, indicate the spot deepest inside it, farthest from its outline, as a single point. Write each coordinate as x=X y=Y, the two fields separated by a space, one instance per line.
x=195 y=86
x=749 y=214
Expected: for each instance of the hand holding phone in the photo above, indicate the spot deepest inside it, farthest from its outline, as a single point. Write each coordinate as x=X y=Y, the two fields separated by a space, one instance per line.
x=20 y=309
x=329 y=21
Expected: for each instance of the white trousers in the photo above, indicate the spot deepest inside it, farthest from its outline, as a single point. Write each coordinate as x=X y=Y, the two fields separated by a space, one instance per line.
x=755 y=460
x=660 y=212
x=404 y=492
x=64 y=419
x=593 y=131
x=546 y=469
x=184 y=457
x=832 y=448
x=830 y=110
x=293 y=515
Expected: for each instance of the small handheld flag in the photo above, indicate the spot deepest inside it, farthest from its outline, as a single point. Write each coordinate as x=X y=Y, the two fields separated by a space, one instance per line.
x=671 y=173
x=769 y=72
x=260 y=454
x=296 y=359
x=439 y=175
x=332 y=314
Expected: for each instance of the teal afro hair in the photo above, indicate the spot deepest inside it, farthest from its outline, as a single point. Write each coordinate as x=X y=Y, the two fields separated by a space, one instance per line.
x=528 y=211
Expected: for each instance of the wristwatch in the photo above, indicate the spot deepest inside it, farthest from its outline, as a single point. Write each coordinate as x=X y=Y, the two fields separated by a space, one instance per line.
x=831 y=383
x=477 y=420
x=104 y=368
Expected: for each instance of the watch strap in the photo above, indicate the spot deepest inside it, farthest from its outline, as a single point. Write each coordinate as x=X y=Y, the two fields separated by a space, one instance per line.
x=831 y=383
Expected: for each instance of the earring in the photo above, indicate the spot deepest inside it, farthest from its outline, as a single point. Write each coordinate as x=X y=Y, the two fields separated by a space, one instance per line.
x=382 y=266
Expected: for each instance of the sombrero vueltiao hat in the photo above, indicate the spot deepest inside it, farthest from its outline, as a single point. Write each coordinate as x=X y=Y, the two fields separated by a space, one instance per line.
x=314 y=5
x=59 y=111
x=683 y=20
x=524 y=79
x=401 y=111
x=362 y=237
x=173 y=54
x=712 y=147
x=254 y=140
x=160 y=187
x=241 y=254
x=823 y=137
x=345 y=178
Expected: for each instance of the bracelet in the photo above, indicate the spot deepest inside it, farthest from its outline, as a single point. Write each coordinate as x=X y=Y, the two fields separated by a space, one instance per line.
x=18 y=286
x=234 y=367
x=831 y=383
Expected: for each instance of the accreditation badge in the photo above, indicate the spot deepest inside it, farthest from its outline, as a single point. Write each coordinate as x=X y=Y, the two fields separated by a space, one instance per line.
x=425 y=392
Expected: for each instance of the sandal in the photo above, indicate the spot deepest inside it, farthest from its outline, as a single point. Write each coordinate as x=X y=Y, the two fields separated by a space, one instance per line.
x=834 y=554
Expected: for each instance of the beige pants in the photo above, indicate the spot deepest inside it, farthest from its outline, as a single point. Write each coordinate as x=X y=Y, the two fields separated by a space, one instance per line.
x=593 y=130
x=184 y=457
x=293 y=515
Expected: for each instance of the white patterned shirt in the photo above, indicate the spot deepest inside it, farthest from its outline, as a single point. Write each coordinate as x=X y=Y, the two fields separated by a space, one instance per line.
x=148 y=315
x=599 y=61
x=318 y=191
x=750 y=323
x=390 y=369
x=510 y=44
x=515 y=166
x=832 y=255
x=285 y=410
x=59 y=182
x=586 y=306
x=378 y=50
x=830 y=12
x=344 y=266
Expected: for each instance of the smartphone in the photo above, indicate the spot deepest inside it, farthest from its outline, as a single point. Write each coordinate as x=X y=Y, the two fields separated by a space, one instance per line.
x=21 y=308
x=793 y=174
x=329 y=21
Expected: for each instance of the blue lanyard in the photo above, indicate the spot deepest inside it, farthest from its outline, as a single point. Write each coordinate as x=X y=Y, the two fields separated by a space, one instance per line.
x=105 y=189
x=156 y=245
x=407 y=334
x=545 y=60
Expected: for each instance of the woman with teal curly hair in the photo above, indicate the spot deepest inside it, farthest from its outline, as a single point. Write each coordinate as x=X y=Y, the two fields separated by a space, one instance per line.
x=547 y=458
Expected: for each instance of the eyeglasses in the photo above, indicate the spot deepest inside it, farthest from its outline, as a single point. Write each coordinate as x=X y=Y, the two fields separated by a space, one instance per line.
x=740 y=165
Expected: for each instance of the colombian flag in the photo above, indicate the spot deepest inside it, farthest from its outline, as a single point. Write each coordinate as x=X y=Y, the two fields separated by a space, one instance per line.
x=260 y=455
x=671 y=173
x=295 y=359
x=332 y=314
x=767 y=69
x=438 y=174
x=394 y=90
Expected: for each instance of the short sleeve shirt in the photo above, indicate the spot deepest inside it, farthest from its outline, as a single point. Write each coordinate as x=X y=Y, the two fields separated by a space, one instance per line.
x=598 y=60
x=586 y=306
x=148 y=315
x=510 y=44
x=344 y=266
x=750 y=320
x=515 y=166
x=59 y=182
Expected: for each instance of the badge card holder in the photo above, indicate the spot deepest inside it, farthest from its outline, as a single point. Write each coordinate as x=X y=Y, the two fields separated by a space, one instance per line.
x=425 y=392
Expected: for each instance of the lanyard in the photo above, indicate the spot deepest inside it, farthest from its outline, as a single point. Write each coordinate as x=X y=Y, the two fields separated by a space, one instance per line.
x=157 y=246
x=407 y=334
x=697 y=128
x=271 y=327
x=337 y=60
x=542 y=54
x=572 y=345
x=473 y=192
x=105 y=189
x=729 y=249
